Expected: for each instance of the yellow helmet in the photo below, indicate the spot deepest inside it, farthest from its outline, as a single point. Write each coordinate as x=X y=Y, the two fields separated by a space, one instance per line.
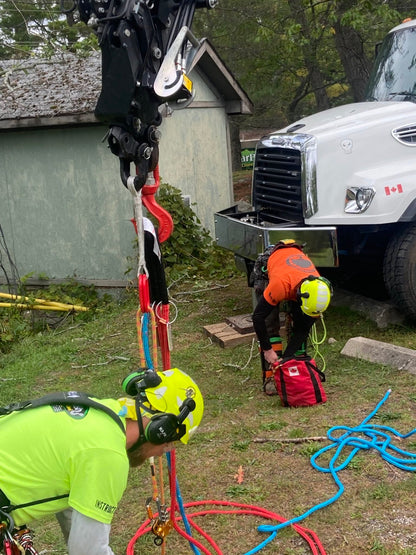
x=170 y=392
x=314 y=295
x=169 y=396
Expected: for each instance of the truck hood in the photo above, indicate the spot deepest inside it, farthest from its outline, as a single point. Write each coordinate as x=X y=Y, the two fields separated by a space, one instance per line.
x=352 y=116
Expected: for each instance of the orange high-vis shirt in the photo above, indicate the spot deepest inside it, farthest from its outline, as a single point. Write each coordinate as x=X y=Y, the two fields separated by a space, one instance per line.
x=286 y=268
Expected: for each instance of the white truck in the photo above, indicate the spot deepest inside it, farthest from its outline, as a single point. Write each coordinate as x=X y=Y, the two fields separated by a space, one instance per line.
x=343 y=181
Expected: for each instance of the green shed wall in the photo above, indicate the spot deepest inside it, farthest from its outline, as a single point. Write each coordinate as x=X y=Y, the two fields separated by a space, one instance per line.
x=64 y=211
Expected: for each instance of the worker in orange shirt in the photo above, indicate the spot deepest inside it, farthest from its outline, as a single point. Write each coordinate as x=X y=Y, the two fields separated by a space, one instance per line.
x=292 y=277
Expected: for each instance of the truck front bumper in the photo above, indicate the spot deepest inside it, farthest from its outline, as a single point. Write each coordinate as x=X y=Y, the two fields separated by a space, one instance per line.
x=245 y=236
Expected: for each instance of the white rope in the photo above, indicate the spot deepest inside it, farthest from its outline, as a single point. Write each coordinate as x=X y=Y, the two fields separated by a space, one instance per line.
x=138 y=216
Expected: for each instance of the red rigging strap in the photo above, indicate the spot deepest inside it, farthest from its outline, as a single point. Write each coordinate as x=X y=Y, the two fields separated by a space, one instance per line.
x=163 y=217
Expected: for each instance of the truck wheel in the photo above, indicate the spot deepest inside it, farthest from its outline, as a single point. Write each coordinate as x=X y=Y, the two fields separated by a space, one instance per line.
x=399 y=270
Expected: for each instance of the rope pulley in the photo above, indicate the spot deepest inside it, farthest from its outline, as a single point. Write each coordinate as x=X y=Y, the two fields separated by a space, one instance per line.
x=161 y=524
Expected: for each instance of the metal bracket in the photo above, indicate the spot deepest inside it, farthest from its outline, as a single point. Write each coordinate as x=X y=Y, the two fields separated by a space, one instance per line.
x=171 y=81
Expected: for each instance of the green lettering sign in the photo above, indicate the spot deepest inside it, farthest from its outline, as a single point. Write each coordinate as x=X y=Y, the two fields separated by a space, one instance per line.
x=247 y=158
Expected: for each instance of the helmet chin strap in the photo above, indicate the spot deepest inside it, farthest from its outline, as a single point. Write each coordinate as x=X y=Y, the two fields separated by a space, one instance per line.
x=142 y=437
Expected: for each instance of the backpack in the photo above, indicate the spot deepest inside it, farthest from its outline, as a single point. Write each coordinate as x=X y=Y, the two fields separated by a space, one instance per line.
x=259 y=277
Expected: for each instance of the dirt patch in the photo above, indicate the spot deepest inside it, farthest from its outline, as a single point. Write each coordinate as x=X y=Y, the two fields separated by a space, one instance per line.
x=242 y=185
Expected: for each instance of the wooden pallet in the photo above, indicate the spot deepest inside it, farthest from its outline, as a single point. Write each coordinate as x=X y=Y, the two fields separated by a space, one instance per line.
x=227 y=336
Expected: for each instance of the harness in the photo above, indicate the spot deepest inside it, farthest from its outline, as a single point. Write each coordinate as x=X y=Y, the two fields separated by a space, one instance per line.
x=64 y=398
x=259 y=278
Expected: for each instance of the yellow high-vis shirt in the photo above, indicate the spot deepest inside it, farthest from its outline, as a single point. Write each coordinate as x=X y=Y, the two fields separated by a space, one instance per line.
x=54 y=450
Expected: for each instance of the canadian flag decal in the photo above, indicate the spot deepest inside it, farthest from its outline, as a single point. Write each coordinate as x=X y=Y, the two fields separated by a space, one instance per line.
x=392 y=190
x=293 y=371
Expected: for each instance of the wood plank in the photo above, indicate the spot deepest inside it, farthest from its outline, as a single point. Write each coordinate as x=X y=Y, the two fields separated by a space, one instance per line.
x=226 y=336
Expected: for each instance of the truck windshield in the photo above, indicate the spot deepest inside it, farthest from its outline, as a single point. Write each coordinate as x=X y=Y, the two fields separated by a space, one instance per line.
x=394 y=73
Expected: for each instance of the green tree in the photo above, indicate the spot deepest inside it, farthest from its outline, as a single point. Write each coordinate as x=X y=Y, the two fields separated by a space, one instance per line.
x=292 y=57
x=40 y=27
x=296 y=57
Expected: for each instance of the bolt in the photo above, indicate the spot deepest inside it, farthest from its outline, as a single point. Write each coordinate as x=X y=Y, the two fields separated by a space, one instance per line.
x=157 y=53
x=146 y=152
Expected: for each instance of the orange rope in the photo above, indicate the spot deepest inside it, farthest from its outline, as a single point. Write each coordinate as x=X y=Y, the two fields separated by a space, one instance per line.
x=162 y=499
x=162 y=492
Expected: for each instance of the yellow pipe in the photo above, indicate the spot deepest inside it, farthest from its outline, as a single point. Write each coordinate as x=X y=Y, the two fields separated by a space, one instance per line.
x=63 y=308
x=29 y=299
x=42 y=301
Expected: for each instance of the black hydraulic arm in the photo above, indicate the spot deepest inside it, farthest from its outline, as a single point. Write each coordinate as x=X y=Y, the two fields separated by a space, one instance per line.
x=146 y=48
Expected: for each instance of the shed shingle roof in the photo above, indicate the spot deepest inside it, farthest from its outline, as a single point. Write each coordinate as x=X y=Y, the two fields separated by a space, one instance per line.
x=68 y=86
x=63 y=85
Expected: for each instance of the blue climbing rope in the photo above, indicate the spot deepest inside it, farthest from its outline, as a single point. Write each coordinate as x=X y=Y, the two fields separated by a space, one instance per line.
x=181 y=507
x=365 y=436
x=145 y=340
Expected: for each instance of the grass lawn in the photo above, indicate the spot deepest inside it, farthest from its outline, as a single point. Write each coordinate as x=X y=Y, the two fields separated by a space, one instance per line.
x=244 y=434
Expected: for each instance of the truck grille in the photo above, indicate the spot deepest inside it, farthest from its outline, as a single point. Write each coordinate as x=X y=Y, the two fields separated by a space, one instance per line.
x=277 y=189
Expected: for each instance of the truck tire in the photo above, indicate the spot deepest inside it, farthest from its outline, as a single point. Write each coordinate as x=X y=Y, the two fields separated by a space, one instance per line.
x=399 y=270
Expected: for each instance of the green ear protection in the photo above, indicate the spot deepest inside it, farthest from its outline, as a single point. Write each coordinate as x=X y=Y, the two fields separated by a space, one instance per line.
x=163 y=427
x=137 y=382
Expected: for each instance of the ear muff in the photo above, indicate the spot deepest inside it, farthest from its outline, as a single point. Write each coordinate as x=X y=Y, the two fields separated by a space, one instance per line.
x=303 y=295
x=164 y=428
x=138 y=381
x=167 y=427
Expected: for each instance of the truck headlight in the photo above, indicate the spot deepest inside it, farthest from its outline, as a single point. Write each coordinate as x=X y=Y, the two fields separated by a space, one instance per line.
x=358 y=199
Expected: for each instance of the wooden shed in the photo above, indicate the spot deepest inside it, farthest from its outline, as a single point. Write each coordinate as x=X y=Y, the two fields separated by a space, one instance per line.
x=64 y=211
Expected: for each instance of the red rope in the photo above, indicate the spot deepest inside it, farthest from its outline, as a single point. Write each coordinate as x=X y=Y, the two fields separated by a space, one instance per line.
x=237 y=509
x=162 y=317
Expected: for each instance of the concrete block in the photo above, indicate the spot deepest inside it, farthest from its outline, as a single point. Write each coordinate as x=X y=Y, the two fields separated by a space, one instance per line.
x=382 y=353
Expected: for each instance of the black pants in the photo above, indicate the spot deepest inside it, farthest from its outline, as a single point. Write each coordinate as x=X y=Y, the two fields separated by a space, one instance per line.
x=301 y=326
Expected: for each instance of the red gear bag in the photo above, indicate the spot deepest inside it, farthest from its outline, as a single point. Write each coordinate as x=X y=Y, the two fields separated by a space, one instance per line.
x=299 y=382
